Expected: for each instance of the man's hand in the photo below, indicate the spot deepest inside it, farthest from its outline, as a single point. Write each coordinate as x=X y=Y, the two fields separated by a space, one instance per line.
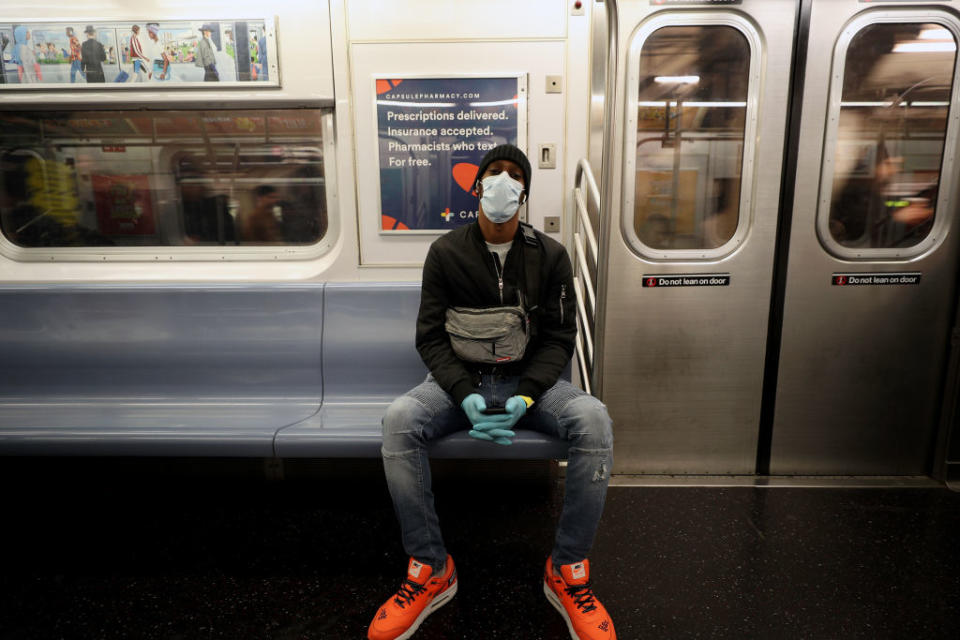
x=498 y=428
x=474 y=405
x=493 y=433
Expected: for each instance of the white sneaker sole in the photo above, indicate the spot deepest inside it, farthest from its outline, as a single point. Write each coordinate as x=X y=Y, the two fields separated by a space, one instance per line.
x=555 y=601
x=438 y=602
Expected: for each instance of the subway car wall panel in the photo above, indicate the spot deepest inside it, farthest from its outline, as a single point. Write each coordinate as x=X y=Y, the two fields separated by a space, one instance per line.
x=764 y=257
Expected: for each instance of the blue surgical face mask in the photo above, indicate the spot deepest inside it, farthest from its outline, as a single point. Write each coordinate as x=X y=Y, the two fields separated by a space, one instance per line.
x=501 y=197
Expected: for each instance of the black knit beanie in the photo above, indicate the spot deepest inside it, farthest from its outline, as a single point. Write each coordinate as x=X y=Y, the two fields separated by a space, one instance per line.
x=506 y=152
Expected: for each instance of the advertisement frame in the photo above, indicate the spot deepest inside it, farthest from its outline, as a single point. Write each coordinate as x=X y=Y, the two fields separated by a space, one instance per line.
x=522 y=107
x=118 y=24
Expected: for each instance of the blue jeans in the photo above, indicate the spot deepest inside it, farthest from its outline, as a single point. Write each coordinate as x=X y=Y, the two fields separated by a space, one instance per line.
x=427 y=412
x=75 y=68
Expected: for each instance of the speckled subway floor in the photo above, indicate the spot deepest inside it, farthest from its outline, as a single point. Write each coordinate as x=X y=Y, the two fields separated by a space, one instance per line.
x=211 y=549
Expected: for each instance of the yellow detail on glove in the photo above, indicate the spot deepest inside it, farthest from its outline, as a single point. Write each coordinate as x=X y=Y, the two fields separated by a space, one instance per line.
x=528 y=400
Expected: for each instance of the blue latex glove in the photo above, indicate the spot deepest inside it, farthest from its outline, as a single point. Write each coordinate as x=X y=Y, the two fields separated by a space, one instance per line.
x=474 y=405
x=499 y=431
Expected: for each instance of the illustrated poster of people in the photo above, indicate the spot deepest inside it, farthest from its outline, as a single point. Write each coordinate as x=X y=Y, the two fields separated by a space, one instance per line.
x=137 y=54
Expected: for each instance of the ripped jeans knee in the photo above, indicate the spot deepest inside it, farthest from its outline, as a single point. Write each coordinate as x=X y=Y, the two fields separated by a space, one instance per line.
x=589 y=425
x=590 y=461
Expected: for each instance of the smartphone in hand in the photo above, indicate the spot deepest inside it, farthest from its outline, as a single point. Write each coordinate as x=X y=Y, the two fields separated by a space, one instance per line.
x=493 y=411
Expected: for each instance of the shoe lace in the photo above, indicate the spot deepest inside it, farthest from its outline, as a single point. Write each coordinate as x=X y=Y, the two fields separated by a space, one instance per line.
x=408 y=592
x=582 y=595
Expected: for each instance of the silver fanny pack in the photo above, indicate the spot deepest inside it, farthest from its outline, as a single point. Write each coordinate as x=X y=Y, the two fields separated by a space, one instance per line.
x=495 y=335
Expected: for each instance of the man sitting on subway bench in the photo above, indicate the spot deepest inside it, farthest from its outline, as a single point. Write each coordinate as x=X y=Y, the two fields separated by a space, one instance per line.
x=496 y=329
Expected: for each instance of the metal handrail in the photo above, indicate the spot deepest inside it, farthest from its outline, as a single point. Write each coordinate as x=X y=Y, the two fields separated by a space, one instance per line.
x=582 y=362
x=582 y=279
x=591 y=365
x=585 y=170
x=584 y=320
x=582 y=261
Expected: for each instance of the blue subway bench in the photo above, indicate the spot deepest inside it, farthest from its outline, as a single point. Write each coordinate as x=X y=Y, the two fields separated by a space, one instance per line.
x=243 y=370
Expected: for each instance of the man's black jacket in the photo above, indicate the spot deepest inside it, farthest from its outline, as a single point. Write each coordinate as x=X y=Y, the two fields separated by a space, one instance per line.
x=461 y=272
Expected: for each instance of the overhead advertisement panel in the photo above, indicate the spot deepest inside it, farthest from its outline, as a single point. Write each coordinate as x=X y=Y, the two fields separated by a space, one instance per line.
x=431 y=135
x=138 y=54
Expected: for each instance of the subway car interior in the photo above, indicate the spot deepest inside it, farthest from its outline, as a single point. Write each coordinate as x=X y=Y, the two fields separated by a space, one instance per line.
x=211 y=264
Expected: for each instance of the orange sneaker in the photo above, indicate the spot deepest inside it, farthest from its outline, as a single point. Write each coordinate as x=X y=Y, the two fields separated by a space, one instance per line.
x=570 y=594
x=420 y=595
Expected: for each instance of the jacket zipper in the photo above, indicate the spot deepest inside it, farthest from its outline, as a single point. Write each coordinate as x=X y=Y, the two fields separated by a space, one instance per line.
x=563 y=298
x=496 y=267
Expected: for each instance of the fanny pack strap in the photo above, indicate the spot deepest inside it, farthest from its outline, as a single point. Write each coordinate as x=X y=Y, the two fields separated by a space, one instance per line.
x=531 y=265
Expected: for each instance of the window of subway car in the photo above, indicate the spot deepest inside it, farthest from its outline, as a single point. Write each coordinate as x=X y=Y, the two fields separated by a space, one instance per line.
x=890 y=135
x=162 y=179
x=691 y=118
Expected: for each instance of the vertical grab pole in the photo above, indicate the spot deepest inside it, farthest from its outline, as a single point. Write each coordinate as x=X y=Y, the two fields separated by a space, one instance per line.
x=606 y=179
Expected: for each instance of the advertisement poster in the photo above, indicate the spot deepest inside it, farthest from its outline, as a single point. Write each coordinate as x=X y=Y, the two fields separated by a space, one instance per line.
x=124 y=206
x=137 y=53
x=432 y=134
